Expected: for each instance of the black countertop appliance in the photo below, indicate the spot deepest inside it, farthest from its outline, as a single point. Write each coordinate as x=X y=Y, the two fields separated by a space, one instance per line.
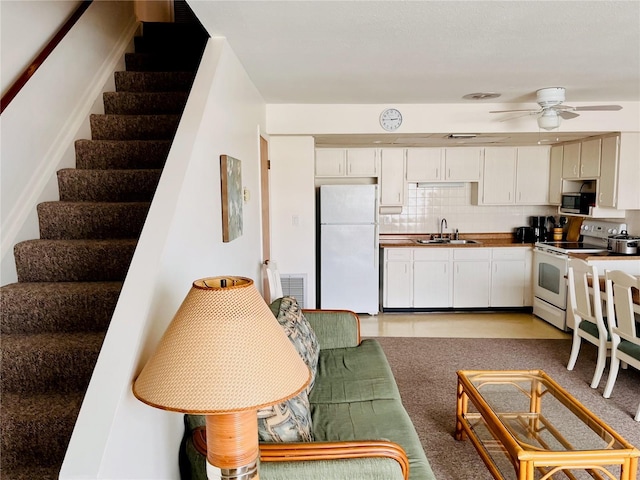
x=538 y=224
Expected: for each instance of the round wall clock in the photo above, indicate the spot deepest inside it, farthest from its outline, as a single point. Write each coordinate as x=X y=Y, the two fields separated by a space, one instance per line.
x=390 y=119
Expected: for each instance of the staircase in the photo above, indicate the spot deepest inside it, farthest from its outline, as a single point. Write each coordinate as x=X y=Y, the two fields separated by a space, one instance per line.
x=54 y=319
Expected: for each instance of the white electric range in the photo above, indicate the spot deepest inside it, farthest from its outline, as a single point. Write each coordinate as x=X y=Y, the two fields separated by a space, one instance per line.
x=550 y=260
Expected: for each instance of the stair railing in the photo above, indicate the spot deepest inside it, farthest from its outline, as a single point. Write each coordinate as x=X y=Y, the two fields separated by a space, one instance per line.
x=42 y=56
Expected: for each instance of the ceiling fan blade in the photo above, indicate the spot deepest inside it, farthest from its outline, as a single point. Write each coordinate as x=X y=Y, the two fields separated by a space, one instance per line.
x=567 y=115
x=513 y=117
x=509 y=111
x=595 y=108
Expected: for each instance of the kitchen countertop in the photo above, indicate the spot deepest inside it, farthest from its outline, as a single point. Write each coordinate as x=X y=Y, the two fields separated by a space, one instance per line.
x=604 y=256
x=399 y=240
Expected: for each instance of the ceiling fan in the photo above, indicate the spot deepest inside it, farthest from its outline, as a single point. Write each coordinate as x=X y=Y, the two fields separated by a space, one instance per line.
x=552 y=110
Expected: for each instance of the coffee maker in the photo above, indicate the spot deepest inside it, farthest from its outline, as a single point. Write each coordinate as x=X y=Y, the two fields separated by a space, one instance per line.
x=538 y=224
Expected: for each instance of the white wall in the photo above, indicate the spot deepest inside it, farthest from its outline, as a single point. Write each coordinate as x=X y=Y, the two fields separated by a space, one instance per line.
x=25 y=28
x=293 y=208
x=289 y=119
x=51 y=111
x=116 y=436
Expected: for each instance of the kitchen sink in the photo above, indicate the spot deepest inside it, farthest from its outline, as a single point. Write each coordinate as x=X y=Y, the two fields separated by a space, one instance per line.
x=445 y=241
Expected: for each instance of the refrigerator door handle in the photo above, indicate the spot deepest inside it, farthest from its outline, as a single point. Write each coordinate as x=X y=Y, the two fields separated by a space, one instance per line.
x=376 y=252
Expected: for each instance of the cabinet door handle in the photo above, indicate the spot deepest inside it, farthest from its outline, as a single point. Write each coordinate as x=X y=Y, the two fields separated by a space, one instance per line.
x=581 y=169
x=350 y=168
x=575 y=169
x=448 y=173
x=340 y=168
x=600 y=198
x=437 y=175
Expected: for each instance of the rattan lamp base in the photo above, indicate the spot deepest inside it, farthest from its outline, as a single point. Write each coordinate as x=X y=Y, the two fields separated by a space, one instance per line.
x=232 y=446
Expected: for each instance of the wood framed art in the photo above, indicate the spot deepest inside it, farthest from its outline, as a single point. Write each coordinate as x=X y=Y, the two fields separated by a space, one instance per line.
x=231 y=181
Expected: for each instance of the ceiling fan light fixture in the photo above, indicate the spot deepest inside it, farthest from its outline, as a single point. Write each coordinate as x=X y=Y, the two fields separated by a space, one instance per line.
x=549 y=120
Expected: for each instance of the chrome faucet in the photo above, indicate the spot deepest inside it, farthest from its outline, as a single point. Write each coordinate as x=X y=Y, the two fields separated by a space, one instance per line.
x=443 y=222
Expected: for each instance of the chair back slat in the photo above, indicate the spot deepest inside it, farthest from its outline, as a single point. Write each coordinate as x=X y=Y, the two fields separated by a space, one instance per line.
x=585 y=304
x=620 y=304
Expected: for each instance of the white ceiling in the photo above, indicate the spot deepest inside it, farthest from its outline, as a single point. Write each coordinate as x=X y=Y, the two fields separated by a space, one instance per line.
x=396 y=52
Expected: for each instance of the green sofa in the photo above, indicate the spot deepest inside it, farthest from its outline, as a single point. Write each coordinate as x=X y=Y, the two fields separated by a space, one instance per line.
x=360 y=427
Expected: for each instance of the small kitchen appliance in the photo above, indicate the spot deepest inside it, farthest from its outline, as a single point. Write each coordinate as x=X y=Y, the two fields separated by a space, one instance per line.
x=538 y=224
x=623 y=244
x=524 y=235
x=578 y=202
x=550 y=260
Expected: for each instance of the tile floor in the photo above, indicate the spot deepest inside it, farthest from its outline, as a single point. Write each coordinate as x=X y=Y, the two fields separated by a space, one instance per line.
x=458 y=325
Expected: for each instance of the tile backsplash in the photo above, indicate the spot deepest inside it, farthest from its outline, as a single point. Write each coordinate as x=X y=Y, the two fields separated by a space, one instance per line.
x=425 y=206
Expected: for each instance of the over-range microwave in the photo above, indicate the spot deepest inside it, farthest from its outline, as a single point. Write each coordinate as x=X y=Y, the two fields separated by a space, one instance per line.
x=578 y=202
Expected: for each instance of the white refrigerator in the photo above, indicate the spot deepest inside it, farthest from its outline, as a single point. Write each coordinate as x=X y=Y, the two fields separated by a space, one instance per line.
x=349 y=256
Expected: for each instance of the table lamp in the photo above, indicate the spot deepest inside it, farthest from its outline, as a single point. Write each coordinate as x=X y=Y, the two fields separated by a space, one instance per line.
x=224 y=355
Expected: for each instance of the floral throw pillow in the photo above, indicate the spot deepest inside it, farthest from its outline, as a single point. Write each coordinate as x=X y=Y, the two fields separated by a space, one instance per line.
x=300 y=333
x=288 y=421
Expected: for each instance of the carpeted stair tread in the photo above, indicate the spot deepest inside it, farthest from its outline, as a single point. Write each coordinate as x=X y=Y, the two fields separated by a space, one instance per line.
x=161 y=62
x=130 y=154
x=133 y=127
x=49 y=362
x=153 y=81
x=73 y=260
x=125 y=185
x=57 y=306
x=35 y=432
x=91 y=220
x=131 y=103
x=175 y=33
x=31 y=472
x=194 y=42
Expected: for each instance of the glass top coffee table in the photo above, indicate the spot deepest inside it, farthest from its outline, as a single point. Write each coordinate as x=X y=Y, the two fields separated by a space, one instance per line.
x=527 y=427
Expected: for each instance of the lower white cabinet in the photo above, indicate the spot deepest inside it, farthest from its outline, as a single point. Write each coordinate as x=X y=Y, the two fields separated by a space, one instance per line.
x=471 y=277
x=510 y=277
x=440 y=277
x=432 y=277
x=398 y=278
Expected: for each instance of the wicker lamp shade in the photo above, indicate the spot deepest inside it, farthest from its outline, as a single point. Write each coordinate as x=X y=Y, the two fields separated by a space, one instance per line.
x=223 y=352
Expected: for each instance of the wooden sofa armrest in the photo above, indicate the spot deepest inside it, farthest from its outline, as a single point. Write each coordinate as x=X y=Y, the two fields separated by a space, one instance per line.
x=292 y=452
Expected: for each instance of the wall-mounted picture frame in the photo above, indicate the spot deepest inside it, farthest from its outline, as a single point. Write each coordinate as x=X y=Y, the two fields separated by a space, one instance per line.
x=231 y=180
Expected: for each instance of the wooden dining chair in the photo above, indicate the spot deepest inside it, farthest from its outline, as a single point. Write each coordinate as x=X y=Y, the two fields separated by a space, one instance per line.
x=274 y=284
x=625 y=343
x=586 y=307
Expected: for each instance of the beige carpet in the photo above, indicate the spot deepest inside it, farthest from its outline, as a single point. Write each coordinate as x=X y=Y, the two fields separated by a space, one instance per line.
x=425 y=370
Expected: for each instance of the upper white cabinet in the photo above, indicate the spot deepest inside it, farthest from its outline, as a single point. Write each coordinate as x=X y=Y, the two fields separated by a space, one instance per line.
x=590 y=158
x=555 y=175
x=459 y=164
x=392 y=182
x=581 y=160
x=498 y=183
x=425 y=164
x=620 y=172
x=340 y=162
x=513 y=175
x=462 y=164
x=532 y=176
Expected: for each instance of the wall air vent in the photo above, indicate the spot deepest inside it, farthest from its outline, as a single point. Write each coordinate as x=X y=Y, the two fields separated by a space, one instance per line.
x=295 y=285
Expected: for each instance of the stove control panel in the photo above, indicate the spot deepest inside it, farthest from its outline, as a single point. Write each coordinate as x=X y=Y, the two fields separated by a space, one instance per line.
x=601 y=229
